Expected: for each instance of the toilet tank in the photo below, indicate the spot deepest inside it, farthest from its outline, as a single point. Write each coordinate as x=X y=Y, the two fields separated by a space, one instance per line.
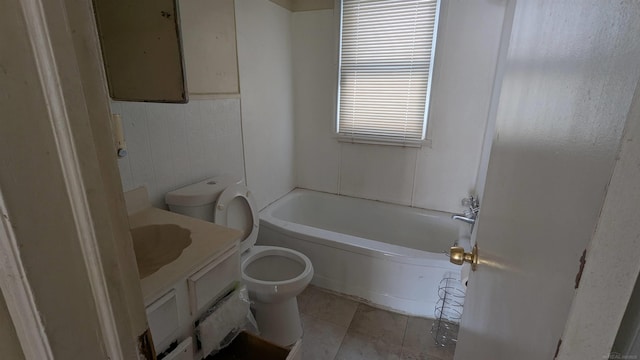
x=198 y=200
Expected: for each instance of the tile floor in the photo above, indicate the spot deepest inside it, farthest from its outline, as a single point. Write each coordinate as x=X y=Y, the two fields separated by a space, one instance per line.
x=338 y=328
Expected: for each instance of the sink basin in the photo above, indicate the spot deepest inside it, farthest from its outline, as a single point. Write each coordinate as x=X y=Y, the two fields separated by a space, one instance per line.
x=157 y=245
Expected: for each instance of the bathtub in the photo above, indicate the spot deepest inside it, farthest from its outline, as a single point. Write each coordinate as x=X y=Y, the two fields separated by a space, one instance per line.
x=389 y=255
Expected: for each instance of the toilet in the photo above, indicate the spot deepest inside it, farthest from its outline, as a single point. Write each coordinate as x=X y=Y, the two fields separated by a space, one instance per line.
x=273 y=275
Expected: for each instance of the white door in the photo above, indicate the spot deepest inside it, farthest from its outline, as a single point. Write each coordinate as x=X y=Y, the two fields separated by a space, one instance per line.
x=570 y=72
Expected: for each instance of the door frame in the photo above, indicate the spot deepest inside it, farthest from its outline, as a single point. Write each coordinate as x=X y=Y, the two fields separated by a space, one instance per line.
x=611 y=267
x=18 y=296
x=62 y=67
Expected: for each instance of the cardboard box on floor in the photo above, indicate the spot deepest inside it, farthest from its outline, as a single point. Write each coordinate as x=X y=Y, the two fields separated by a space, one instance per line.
x=247 y=346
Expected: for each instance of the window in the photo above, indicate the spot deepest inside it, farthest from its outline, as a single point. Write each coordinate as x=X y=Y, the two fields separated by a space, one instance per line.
x=386 y=58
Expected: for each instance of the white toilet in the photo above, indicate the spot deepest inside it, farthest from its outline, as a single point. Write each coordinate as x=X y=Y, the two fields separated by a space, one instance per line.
x=273 y=275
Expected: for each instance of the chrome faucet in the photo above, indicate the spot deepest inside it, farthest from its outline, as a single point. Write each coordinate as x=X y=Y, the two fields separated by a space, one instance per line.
x=468 y=220
x=470 y=214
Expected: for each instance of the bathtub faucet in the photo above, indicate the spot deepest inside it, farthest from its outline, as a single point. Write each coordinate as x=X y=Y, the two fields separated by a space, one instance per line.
x=461 y=217
x=470 y=214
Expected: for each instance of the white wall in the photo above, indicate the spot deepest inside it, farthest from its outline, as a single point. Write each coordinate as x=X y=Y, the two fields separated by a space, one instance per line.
x=288 y=66
x=435 y=177
x=171 y=145
x=264 y=59
x=315 y=66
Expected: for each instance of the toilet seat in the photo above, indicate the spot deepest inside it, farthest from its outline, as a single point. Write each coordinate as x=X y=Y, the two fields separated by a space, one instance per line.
x=221 y=216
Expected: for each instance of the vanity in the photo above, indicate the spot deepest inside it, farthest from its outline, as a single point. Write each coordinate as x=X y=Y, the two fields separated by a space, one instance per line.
x=185 y=266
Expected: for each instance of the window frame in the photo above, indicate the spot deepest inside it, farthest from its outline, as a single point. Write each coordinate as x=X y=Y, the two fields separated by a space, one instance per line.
x=355 y=139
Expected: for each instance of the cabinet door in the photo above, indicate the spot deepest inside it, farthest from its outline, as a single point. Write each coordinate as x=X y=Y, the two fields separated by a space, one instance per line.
x=141 y=49
x=209 y=39
x=208 y=283
x=184 y=351
x=163 y=320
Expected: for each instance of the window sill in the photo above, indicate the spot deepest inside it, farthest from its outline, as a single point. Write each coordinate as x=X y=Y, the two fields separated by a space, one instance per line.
x=426 y=143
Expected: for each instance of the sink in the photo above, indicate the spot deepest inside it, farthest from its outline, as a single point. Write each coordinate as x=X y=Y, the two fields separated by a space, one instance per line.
x=157 y=245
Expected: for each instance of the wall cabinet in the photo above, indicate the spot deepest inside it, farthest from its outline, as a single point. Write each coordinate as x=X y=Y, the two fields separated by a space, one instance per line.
x=209 y=41
x=165 y=51
x=141 y=49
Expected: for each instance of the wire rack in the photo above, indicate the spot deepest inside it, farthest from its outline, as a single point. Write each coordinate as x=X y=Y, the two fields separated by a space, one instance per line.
x=448 y=310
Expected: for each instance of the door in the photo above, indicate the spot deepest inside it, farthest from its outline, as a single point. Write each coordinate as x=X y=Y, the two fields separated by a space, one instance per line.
x=569 y=75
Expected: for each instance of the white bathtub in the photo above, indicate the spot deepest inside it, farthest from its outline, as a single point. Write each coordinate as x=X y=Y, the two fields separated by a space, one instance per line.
x=388 y=254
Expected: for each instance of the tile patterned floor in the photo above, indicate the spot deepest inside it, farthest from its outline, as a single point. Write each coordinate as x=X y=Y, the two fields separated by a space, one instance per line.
x=338 y=328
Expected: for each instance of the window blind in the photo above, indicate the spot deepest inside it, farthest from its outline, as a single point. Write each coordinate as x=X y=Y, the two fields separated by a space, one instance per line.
x=386 y=62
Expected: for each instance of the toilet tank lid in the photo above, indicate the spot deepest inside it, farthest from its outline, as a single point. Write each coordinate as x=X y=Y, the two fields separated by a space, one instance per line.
x=201 y=193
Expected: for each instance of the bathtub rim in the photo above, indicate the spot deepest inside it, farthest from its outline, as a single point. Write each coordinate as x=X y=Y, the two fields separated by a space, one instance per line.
x=352 y=243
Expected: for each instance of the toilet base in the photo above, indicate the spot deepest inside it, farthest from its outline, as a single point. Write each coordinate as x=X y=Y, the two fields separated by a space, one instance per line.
x=278 y=322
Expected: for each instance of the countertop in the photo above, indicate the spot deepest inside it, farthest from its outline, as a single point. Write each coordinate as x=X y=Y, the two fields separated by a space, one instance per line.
x=208 y=240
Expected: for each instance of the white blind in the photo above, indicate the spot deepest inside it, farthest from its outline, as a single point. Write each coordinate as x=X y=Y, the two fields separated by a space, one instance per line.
x=385 y=70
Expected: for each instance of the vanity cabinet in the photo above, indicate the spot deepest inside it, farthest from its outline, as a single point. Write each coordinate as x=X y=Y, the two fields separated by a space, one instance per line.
x=184 y=351
x=163 y=319
x=206 y=284
x=172 y=316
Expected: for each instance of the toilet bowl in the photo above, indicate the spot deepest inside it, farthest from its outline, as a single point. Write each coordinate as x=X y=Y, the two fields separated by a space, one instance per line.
x=274 y=276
